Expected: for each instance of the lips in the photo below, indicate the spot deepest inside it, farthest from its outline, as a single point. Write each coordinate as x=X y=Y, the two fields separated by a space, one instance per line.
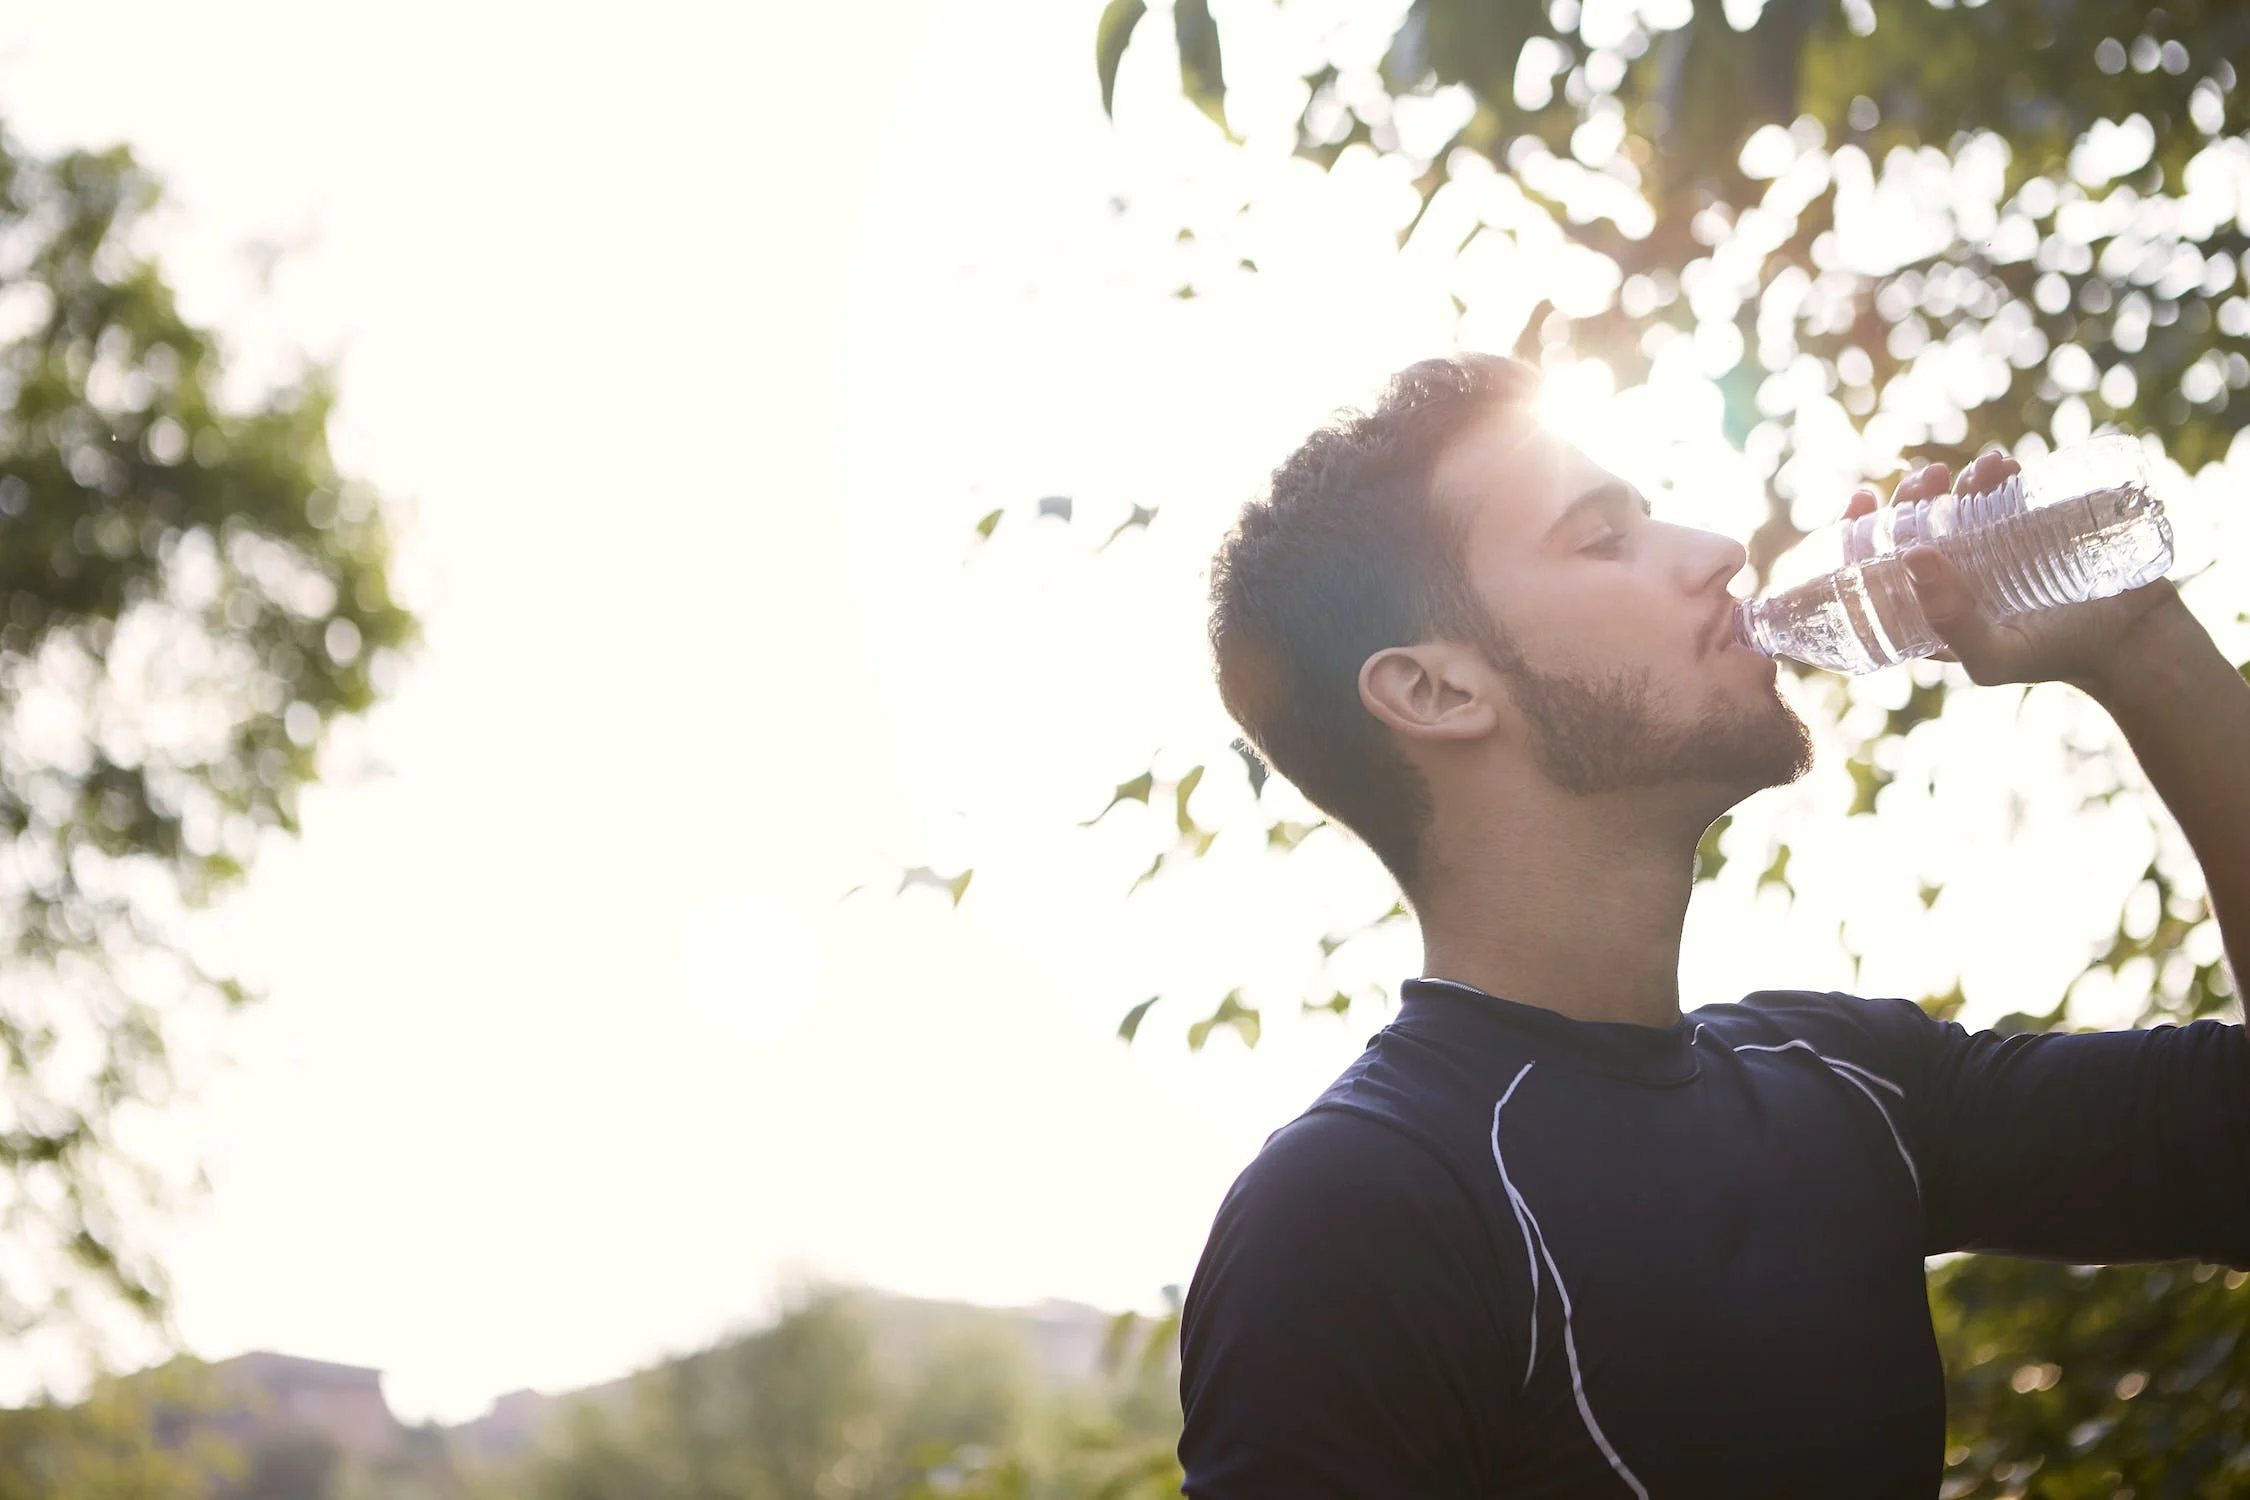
x=1720 y=635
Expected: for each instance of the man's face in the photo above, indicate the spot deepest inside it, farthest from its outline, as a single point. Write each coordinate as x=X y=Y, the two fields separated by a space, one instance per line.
x=1625 y=668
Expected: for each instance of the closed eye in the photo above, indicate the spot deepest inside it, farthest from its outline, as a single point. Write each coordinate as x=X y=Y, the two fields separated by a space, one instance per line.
x=1616 y=503
x=1616 y=533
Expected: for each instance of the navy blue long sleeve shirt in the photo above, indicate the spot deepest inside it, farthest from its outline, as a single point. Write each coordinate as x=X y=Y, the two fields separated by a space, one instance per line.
x=1511 y=1254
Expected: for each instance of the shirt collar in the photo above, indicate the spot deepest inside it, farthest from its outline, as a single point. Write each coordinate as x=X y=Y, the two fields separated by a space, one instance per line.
x=1618 y=1049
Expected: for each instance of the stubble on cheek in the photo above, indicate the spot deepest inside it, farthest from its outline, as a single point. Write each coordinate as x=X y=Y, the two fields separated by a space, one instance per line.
x=1594 y=735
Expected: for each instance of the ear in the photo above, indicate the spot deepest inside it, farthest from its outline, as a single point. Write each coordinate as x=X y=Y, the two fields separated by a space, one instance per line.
x=1433 y=690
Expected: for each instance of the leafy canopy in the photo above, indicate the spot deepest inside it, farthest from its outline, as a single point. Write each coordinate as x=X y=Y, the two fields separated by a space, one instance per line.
x=190 y=593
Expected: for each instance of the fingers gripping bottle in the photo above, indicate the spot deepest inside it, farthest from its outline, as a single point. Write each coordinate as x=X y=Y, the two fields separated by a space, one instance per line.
x=2078 y=524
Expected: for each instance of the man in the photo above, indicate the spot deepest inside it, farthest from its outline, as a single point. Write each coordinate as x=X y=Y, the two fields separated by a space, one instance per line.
x=1547 y=1236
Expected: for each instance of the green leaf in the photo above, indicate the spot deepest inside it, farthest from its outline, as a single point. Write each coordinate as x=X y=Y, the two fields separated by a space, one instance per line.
x=2019 y=1022
x=1924 y=701
x=1146 y=875
x=1202 y=78
x=1286 y=835
x=954 y=886
x=1338 y=1004
x=1231 y=1012
x=1136 y=790
x=1140 y=517
x=1867 y=780
x=1777 y=873
x=1708 y=860
x=1130 y=1027
x=1180 y=795
x=986 y=526
x=1119 y=18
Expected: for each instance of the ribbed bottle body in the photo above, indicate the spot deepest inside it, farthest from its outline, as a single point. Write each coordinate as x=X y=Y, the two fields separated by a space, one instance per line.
x=2085 y=526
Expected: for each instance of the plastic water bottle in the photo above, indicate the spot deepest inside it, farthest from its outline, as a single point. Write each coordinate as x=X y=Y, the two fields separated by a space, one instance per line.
x=2077 y=524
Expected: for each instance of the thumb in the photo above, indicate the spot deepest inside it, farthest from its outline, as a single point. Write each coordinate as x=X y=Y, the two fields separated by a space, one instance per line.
x=1945 y=598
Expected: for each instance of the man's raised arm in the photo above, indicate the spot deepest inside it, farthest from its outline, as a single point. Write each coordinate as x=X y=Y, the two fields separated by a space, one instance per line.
x=2185 y=711
x=2115 y=1145
x=2184 y=708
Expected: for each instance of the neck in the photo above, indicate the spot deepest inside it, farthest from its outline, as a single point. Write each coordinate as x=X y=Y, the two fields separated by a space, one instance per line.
x=1572 y=904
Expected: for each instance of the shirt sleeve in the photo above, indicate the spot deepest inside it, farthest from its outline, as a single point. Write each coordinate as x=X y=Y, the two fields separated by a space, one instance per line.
x=1340 y=1337
x=2091 y=1147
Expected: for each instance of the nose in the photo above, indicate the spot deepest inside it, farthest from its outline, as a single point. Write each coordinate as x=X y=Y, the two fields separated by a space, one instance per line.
x=1709 y=560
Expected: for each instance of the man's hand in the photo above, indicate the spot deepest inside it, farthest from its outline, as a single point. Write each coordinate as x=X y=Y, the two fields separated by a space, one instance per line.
x=2088 y=645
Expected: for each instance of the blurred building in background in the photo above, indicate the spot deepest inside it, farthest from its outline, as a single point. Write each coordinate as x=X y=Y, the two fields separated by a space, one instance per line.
x=261 y=1393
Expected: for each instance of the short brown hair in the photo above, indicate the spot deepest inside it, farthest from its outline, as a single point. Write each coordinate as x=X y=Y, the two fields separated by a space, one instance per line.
x=1345 y=555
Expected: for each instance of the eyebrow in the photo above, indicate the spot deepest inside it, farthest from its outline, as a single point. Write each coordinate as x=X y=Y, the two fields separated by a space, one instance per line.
x=1600 y=497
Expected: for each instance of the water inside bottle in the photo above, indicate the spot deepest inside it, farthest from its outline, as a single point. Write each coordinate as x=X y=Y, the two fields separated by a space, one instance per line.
x=1856 y=619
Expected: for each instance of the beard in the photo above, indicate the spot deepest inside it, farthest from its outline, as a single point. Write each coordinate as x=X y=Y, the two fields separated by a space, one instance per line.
x=1603 y=735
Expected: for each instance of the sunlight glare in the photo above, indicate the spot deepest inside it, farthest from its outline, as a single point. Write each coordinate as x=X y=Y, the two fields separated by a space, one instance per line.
x=1579 y=403
x=1574 y=400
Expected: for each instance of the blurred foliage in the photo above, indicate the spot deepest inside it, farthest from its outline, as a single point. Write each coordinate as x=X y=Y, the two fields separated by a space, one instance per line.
x=125 y=1440
x=178 y=1433
x=2063 y=189
x=289 y=1465
x=1705 y=154
x=1122 y=1444
x=189 y=593
x=813 y=1409
x=2081 y=1381
x=846 y=1396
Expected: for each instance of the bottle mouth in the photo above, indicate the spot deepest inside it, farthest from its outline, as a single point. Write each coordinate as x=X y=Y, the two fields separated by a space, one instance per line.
x=1739 y=627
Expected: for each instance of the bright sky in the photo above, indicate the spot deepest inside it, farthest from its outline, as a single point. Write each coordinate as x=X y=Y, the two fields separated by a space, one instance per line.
x=689 y=348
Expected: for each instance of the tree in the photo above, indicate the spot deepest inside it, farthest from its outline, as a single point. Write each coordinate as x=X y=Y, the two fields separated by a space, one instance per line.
x=130 y=1438
x=798 y=1409
x=293 y=1464
x=1117 y=1440
x=1882 y=226
x=190 y=593
x=847 y=1395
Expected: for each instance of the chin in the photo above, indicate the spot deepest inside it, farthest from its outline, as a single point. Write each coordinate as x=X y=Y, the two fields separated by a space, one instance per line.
x=1766 y=747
